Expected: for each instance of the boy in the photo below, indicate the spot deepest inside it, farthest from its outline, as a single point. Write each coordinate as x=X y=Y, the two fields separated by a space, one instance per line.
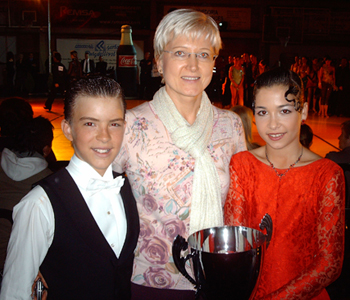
x=75 y=225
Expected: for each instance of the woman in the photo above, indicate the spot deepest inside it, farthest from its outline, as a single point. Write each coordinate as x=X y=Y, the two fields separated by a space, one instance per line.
x=176 y=153
x=226 y=89
x=326 y=82
x=311 y=85
x=303 y=193
x=236 y=75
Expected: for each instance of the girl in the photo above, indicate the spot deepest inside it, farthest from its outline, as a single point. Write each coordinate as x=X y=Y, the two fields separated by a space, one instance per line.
x=303 y=193
x=80 y=225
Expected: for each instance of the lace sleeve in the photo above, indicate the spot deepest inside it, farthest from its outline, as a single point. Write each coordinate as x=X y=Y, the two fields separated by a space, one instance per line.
x=327 y=264
x=235 y=201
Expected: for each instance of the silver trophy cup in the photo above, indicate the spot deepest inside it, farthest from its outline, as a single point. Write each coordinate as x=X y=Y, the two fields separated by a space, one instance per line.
x=225 y=261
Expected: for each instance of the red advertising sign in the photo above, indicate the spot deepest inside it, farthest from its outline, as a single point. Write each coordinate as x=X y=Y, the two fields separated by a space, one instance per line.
x=127 y=61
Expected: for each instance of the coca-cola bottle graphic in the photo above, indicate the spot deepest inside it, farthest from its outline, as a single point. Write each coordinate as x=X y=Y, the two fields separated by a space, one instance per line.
x=127 y=63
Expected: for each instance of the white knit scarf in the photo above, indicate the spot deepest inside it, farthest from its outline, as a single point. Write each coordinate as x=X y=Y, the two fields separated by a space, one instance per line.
x=206 y=208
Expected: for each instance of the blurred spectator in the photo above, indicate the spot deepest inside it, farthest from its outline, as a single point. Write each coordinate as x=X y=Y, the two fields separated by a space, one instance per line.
x=87 y=65
x=237 y=75
x=311 y=85
x=343 y=83
x=263 y=66
x=22 y=166
x=14 y=112
x=101 y=66
x=21 y=74
x=342 y=156
x=74 y=69
x=246 y=115
x=295 y=66
x=326 y=82
x=10 y=73
x=59 y=73
x=156 y=78
x=32 y=73
x=145 y=76
x=226 y=86
x=306 y=135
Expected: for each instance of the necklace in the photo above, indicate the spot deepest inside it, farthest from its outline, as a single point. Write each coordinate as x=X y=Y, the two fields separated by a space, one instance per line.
x=280 y=175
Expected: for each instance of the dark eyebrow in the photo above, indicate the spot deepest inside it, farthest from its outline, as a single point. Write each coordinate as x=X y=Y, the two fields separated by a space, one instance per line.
x=96 y=120
x=280 y=106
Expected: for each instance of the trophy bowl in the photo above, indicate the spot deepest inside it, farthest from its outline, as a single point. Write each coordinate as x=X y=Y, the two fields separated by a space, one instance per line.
x=225 y=260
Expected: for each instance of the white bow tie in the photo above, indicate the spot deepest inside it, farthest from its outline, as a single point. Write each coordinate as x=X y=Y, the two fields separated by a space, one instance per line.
x=99 y=184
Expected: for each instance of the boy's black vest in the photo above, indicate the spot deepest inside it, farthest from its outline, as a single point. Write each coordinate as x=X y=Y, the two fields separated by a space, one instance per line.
x=80 y=264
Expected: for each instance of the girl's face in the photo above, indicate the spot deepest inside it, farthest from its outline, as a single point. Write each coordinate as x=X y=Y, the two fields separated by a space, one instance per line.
x=277 y=121
x=96 y=130
x=186 y=78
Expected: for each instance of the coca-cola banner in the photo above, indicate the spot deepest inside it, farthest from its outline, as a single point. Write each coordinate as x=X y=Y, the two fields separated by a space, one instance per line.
x=235 y=18
x=105 y=48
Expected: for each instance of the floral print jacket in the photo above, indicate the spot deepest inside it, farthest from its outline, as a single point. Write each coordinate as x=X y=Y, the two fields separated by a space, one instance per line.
x=161 y=178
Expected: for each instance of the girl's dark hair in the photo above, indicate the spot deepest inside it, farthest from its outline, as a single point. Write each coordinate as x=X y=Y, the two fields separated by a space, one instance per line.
x=34 y=136
x=306 y=135
x=93 y=86
x=285 y=77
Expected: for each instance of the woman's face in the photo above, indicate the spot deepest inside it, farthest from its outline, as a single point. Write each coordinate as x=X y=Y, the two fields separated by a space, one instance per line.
x=186 y=79
x=277 y=121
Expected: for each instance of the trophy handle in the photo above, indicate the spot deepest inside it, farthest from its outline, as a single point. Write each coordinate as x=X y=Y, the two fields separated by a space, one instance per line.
x=178 y=245
x=266 y=223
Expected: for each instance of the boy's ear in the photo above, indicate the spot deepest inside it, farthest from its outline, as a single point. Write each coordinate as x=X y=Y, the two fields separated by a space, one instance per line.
x=67 y=130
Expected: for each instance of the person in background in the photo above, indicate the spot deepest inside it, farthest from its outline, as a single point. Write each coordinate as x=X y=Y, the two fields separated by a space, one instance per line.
x=326 y=82
x=295 y=66
x=342 y=156
x=306 y=250
x=87 y=65
x=311 y=85
x=21 y=166
x=33 y=72
x=14 y=113
x=176 y=152
x=21 y=74
x=226 y=86
x=74 y=70
x=80 y=225
x=101 y=66
x=10 y=73
x=237 y=75
x=246 y=115
x=59 y=79
x=156 y=79
x=145 y=76
x=343 y=83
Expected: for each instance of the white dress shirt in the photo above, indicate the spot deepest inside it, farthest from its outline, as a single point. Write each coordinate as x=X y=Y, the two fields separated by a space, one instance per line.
x=86 y=67
x=34 y=227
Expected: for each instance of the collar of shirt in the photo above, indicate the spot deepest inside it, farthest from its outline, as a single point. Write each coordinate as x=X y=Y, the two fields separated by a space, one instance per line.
x=82 y=172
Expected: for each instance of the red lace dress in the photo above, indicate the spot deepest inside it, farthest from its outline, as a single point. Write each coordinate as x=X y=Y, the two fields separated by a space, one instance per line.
x=307 y=209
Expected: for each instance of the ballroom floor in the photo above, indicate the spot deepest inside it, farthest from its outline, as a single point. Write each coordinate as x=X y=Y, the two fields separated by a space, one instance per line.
x=326 y=131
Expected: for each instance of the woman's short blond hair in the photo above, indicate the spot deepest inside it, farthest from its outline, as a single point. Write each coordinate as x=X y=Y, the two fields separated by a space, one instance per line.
x=187 y=22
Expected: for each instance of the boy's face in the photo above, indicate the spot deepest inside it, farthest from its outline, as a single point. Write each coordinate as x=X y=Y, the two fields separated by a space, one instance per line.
x=96 y=130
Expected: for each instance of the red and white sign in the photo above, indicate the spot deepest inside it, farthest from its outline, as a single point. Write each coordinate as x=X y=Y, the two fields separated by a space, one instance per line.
x=127 y=61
